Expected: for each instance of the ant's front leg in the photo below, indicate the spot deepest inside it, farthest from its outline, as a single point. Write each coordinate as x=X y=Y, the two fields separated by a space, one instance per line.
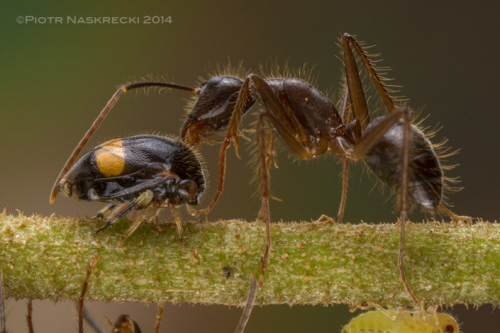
x=231 y=136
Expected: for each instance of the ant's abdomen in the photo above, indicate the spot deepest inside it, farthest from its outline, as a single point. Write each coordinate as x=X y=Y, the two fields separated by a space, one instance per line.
x=425 y=173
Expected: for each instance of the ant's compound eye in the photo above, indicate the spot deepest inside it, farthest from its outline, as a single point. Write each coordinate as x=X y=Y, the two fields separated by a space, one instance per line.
x=187 y=188
x=213 y=82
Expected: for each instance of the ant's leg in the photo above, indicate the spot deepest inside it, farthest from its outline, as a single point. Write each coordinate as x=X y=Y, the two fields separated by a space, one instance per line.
x=95 y=125
x=453 y=216
x=354 y=82
x=365 y=144
x=370 y=139
x=285 y=123
x=248 y=307
x=222 y=174
x=355 y=104
x=264 y=143
x=287 y=126
x=347 y=117
x=404 y=201
x=234 y=123
x=345 y=174
x=231 y=135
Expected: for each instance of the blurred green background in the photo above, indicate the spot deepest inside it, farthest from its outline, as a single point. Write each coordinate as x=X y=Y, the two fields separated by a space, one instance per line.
x=57 y=77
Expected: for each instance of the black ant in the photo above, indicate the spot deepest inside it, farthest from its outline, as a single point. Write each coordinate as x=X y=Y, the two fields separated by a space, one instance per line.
x=309 y=125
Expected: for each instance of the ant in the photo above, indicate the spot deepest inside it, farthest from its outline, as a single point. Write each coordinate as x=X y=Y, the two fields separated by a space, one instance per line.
x=418 y=320
x=309 y=125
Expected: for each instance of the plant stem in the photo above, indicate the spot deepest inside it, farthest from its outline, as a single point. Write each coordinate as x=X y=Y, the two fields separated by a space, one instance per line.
x=318 y=262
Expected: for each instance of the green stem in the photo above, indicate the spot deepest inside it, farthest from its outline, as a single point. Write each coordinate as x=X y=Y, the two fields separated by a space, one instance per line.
x=311 y=262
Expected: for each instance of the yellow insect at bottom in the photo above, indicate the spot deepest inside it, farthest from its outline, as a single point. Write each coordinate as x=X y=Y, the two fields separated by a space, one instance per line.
x=402 y=321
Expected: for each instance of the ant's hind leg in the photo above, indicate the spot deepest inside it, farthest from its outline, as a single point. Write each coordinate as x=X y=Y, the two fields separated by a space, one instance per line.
x=404 y=200
x=453 y=216
x=354 y=82
x=365 y=144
